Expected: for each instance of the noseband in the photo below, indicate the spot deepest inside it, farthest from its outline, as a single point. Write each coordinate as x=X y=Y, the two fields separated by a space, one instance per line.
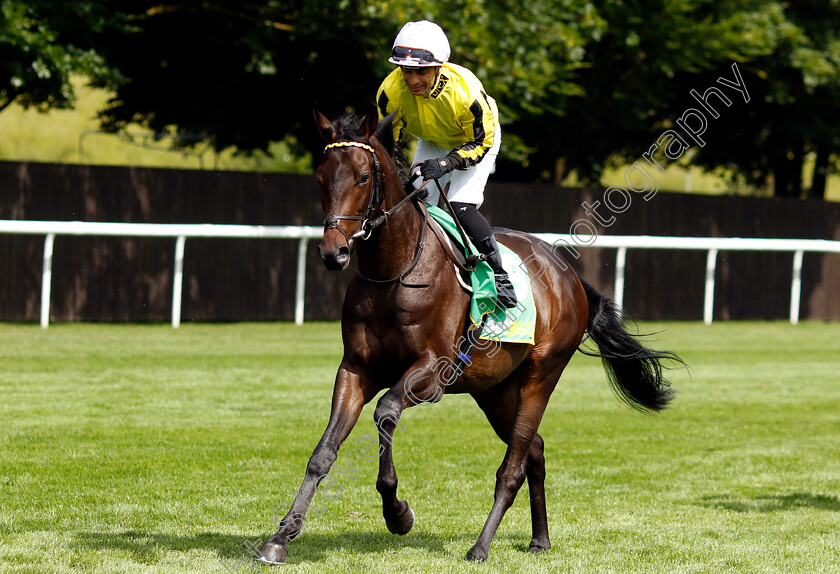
x=374 y=202
x=377 y=196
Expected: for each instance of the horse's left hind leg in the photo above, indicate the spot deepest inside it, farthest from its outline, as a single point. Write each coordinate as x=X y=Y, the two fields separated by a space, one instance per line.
x=500 y=405
x=515 y=410
x=535 y=470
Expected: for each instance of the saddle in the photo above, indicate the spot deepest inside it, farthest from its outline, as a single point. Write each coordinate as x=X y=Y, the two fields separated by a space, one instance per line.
x=506 y=325
x=455 y=256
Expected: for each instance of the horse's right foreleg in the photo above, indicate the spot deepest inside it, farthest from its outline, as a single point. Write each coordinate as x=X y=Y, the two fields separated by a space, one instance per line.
x=351 y=393
x=420 y=384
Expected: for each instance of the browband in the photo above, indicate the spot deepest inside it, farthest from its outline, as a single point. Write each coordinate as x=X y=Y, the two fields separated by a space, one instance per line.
x=351 y=144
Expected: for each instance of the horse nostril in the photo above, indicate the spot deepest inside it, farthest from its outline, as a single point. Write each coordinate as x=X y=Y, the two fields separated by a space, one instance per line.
x=343 y=254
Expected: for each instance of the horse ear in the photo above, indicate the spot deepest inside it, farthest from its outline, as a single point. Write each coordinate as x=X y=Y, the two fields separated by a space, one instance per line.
x=370 y=122
x=324 y=125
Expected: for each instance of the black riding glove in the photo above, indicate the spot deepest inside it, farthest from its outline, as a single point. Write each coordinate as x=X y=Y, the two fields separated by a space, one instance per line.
x=437 y=168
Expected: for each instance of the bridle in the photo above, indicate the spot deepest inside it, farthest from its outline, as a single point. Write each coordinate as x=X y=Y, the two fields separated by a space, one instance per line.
x=369 y=223
x=377 y=196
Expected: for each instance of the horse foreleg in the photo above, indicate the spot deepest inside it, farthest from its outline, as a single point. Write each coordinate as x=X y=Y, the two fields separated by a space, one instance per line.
x=350 y=394
x=418 y=385
x=399 y=518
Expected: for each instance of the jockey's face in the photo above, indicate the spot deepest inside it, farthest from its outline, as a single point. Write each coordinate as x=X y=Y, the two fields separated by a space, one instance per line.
x=420 y=80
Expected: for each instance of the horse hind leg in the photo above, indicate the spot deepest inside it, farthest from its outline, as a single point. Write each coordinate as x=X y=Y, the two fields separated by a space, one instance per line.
x=509 y=479
x=515 y=414
x=535 y=471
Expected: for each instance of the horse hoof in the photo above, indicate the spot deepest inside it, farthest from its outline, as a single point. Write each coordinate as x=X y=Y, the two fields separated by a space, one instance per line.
x=537 y=547
x=403 y=524
x=272 y=553
x=476 y=555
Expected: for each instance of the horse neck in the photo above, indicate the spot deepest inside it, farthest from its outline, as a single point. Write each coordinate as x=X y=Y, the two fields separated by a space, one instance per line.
x=392 y=247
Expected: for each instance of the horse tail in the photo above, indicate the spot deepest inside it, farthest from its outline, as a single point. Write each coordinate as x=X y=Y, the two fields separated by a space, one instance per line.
x=634 y=371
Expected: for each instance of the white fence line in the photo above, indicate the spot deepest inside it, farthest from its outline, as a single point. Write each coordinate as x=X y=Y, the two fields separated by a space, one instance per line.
x=304 y=233
x=171 y=230
x=712 y=245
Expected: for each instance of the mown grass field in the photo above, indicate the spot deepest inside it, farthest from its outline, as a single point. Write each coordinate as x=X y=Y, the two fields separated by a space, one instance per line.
x=138 y=448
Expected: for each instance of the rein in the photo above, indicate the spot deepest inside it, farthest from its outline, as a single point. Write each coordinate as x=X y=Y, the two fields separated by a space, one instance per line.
x=369 y=225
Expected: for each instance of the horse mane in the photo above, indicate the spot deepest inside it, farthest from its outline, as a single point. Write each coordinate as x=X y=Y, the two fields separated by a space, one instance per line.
x=349 y=128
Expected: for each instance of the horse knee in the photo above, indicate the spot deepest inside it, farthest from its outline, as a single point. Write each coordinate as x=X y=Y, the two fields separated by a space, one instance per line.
x=509 y=481
x=320 y=463
x=387 y=414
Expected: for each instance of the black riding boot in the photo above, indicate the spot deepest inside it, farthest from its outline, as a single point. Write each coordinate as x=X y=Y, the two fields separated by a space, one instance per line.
x=481 y=235
x=505 y=294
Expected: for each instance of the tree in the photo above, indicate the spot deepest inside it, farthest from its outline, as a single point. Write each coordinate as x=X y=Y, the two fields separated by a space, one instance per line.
x=638 y=70
x=242 y=75
x=792 y=113
x=42 y=44
x=249 y=74
x=580 y=85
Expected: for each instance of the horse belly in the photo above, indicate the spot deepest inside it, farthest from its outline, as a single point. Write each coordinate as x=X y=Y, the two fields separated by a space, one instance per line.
x=488 y=367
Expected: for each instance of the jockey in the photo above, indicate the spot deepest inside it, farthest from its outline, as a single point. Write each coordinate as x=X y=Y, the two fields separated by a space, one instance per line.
x=457 y=126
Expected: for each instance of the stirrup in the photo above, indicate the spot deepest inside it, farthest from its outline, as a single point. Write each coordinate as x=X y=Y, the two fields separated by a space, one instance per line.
x=505 y=293
x=473 y=260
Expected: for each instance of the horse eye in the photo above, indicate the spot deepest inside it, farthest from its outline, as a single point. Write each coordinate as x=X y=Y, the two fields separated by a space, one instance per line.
x=364 y=179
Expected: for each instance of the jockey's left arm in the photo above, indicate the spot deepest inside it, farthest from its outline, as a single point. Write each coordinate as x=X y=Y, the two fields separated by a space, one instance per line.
x=478 y=121
x=479 y=124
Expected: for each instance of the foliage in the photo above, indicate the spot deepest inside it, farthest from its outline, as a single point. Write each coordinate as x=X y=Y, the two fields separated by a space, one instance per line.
x=796 y=98
x=639 y=70
x=580 y=85
x=245 y=74
x=43 y=43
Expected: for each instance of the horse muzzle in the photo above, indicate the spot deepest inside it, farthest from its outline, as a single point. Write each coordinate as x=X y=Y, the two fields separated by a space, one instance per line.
x=335 y=251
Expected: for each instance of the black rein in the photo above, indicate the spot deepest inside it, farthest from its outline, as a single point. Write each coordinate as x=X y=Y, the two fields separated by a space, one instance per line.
x=377 y=196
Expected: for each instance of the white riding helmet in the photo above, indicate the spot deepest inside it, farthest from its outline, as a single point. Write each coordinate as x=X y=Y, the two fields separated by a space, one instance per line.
x=420 y=45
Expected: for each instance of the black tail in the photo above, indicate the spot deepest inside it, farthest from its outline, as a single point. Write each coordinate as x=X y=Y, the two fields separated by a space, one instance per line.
x=634 y=372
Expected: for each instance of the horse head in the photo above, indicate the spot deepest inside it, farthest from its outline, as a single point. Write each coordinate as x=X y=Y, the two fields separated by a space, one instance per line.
x=352 y=183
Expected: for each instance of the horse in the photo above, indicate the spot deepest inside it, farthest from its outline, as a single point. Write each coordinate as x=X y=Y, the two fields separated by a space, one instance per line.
x=404 y=315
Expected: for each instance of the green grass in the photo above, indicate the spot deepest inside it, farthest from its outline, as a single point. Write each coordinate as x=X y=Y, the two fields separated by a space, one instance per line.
x=139 y=448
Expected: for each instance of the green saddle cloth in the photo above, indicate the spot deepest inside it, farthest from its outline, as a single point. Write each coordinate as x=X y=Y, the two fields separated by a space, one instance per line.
x=514 y=325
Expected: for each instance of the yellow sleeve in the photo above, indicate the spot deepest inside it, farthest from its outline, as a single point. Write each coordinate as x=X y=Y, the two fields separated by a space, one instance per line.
x=479 y=126
x=387 y=103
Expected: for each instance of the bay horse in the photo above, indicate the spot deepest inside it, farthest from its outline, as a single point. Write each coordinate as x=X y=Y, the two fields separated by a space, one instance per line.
x=404 y=314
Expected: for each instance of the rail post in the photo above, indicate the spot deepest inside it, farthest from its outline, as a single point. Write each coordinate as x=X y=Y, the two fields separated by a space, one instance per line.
x=709 y=297
x=178 y=281
x=46 y=280
x=796 y=286
x=300 y=281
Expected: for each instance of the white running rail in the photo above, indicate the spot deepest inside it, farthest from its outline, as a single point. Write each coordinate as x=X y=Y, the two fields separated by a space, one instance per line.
x=178 y=231
x=709 y=244
x=712 y=245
